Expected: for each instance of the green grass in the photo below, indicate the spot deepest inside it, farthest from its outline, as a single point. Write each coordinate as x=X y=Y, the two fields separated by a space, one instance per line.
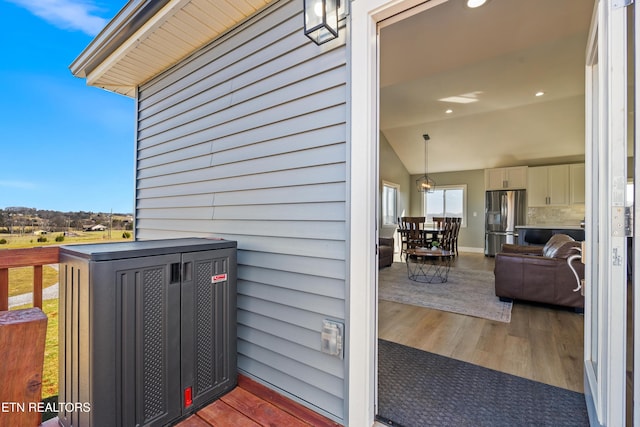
x=21 y=279
x=16 y=241
x=50 y=368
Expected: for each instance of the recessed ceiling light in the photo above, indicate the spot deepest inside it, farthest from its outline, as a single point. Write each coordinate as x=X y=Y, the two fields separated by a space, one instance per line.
x=458 y=99
x=465 y=98
x=449 y=111
x=475 y=3
x=539 y=93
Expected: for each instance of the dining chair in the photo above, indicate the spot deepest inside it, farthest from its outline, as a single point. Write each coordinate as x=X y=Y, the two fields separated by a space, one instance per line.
x=447 y=233
x=438 y=224
x=403 y=237
x=411 y=227
x=456 y=223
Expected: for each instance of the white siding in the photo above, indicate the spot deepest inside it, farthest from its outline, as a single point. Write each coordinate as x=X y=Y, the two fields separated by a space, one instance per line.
x=246 y=140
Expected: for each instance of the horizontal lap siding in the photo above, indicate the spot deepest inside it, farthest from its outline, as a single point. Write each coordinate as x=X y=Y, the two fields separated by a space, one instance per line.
x=246 y=140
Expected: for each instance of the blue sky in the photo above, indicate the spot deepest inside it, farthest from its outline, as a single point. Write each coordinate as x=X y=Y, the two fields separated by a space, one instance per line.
x=63 y=145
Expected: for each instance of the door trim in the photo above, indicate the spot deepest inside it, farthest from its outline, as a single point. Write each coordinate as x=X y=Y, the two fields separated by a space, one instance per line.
x=362 y=274
x=606 y=147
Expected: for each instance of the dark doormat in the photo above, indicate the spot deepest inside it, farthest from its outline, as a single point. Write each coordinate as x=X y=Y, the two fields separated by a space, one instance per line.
x=417 y=388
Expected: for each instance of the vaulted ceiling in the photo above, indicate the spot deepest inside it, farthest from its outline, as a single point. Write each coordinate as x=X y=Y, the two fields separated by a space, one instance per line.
x=494 y=59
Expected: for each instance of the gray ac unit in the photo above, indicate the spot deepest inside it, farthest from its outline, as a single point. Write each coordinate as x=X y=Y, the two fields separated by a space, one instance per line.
x=147 y=330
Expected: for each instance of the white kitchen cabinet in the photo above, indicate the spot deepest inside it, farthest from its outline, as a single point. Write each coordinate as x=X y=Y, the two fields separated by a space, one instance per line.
x=506 y=178
x=548 y=185
x=576 y=184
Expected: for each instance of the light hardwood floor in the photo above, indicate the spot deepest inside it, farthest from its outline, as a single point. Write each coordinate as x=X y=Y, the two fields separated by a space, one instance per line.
x=541 y=343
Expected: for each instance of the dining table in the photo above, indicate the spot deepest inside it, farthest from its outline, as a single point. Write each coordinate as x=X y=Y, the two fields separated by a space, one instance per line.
x=427 y=234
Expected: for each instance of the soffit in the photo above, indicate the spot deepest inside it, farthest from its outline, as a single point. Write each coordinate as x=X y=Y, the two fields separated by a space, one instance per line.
x=147 y=45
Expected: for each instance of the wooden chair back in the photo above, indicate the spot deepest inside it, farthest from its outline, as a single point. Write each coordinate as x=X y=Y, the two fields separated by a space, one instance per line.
x=438 y=222
x=451 y=229
x=411 y=226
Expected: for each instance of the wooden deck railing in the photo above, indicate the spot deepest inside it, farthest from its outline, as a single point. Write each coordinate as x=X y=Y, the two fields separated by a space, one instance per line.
x=30 y=257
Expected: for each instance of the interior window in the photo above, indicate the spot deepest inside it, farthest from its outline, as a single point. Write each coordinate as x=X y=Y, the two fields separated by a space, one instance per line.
x=390 y=203
x=446 y=201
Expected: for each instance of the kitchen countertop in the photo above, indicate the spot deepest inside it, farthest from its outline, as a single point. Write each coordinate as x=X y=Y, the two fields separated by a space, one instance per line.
x=551 y=227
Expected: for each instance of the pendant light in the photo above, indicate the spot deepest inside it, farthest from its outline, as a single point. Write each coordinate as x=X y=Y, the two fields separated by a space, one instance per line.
x=424 y=183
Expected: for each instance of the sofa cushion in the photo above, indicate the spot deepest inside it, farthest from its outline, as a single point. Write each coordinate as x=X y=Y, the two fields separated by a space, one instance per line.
x=568 y=249
x=385 y=241
x=537 y=278
x=385 y=251
x=522 y=249
x=559 y=246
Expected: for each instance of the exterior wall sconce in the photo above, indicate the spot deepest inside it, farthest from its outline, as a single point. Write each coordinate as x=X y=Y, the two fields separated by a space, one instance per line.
x=321 y=20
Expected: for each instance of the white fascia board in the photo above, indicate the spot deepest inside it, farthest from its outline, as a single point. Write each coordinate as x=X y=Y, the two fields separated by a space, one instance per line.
x=134 y=40
x=132 y=17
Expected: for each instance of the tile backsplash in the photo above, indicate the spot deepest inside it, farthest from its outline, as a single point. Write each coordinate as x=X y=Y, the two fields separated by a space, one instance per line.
x=555 y=215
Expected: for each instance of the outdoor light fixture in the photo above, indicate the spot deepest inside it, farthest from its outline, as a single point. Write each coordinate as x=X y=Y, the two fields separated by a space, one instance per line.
x=321 y=20
x=424 y=183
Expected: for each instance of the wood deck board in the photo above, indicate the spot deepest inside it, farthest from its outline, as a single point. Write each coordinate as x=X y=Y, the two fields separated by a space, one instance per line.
x=259 y=409
x=195 y=421
x=297 y=410
x=219 y=413
x=252 y=404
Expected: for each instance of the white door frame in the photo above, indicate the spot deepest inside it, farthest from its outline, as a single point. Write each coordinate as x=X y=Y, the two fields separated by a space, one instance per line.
x=363 y=333
x=606 y=242
x=362 y=305
x=636 y=222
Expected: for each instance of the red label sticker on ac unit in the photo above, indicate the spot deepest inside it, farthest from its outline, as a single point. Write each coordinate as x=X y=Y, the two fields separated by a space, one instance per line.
x=219 y=278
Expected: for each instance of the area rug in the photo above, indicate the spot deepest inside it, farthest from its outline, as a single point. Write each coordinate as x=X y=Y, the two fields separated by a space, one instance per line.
x=469 y=292
x=417 y=388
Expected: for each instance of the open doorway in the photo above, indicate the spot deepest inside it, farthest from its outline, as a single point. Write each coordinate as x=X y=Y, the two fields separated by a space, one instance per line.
x=499 y=86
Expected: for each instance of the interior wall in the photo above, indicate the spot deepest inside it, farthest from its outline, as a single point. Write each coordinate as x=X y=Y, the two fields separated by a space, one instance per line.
x=410 y=200
x=393 y=170
x=471 y=236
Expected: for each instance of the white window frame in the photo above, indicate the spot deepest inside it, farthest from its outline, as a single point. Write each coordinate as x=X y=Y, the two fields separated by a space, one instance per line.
x=462 y=187
x=394 y=217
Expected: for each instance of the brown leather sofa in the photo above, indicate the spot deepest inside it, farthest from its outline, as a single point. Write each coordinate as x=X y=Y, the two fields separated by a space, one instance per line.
x=540 y=274
x=385 y=251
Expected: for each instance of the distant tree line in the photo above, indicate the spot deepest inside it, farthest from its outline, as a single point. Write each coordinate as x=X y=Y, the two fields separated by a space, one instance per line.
x=27 y=220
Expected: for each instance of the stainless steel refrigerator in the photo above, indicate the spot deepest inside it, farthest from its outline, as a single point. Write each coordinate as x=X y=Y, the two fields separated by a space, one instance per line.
x=504 y=210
